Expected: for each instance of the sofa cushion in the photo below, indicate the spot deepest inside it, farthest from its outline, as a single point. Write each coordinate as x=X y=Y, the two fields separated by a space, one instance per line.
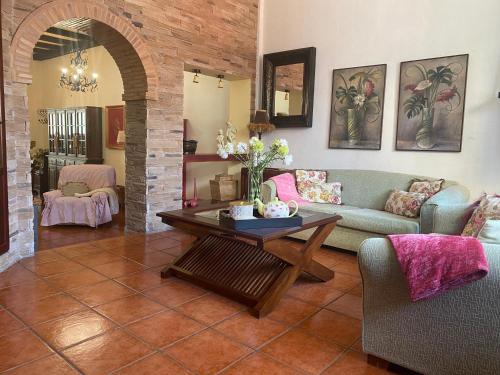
x=370 y=189
x=71 y=188
x=405 y=203
x=425 y=186
x=490 y=232
x=368 y=220
x=382 y=222
x=488 y=209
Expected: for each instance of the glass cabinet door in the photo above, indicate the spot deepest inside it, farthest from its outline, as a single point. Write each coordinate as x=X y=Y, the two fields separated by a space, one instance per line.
x=81 y=124
x=52 y=129
x=71 y=132
x=61 y=132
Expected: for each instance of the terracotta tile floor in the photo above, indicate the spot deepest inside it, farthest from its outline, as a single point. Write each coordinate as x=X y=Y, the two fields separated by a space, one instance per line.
x=99 y=306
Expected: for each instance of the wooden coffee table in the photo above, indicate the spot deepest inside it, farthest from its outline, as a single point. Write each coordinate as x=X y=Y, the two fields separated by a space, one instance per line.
x=245 y=265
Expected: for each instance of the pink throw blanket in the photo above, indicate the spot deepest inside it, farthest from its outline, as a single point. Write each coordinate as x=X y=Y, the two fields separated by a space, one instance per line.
x=433 y=264
x=286 y=189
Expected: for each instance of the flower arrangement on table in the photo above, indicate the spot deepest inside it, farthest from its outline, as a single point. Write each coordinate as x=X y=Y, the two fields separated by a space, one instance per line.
x=253 y=155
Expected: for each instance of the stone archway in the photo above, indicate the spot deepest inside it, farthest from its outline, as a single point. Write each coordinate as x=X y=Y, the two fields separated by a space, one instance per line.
x=139 y=76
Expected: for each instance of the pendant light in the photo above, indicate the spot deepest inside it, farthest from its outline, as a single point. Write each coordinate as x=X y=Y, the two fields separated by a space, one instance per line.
x=220 y=85
x=196 y=77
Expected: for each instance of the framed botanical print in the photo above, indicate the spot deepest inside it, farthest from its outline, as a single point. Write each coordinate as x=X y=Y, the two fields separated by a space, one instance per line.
x=431 y=104
x=357 y=107
x=115 y=127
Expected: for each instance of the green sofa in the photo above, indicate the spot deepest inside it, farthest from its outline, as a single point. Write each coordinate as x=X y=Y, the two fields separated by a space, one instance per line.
x=364 y=194
x=456 y=333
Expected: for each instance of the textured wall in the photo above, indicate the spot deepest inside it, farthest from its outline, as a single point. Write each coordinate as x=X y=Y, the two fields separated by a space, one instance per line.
x=160 y=35
x=349 y=33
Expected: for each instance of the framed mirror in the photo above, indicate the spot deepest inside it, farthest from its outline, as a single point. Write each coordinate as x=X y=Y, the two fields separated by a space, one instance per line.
x=288 y=87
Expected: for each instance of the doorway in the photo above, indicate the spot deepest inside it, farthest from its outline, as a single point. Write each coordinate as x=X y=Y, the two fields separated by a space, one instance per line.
x=133 y=94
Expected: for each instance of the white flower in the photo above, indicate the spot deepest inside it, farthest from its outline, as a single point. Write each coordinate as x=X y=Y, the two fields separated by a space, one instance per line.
x=288 y=159
x=253 y=141
x=241 y=148
x=359 y=100
x=229 y=148
x=222 y=153
x=282 y=142
x=422 y=85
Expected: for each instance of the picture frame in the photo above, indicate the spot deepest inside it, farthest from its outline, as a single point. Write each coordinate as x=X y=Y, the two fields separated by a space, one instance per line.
x=115 y=122
x=431 y=104
x=357 y=107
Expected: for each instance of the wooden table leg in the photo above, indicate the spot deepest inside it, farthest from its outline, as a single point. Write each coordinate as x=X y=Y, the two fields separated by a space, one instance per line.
x=267 y=303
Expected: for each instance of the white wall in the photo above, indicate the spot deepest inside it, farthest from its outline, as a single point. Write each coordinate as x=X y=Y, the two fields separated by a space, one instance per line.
x=350 y=33
x=208 y=108
x=45 y=92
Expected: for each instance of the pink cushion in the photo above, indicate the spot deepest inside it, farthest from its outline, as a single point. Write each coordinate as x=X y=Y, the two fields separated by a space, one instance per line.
x=286 y=189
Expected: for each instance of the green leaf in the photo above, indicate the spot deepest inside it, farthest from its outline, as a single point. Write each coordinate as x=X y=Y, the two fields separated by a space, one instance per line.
x=413 y=105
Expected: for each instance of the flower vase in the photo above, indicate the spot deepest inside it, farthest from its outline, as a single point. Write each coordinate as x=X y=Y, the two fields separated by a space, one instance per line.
x=255 y=179
x=425 y=135
x=353 y=127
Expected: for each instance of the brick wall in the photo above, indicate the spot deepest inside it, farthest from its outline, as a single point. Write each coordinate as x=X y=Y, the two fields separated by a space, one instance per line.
x=151 y=41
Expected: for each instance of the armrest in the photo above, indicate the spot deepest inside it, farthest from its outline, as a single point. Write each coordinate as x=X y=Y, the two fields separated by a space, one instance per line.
x=464 y=318
x=450 y=195
x=51 y=196
x=432 y=221
x=268 y=191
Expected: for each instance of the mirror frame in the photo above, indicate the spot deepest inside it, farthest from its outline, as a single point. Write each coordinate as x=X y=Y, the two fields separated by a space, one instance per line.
x=307 y=56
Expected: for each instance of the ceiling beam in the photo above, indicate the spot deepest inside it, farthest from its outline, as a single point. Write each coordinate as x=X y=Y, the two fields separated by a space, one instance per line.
x=67 y=48
x=67 y=33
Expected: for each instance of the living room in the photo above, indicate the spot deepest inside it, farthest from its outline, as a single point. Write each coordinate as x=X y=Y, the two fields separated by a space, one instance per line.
x=378 y=120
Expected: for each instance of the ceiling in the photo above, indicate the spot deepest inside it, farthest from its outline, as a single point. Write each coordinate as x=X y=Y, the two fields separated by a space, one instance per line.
x=63 y=38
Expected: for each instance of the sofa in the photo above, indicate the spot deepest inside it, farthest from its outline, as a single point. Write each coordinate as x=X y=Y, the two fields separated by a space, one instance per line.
x=455 y=333
x=364 y=194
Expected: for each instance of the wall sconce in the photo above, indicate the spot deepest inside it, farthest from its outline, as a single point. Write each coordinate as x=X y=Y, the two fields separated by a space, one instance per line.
x=220 y=85
x=196 y=77
x=287 y=92
x=120 y=137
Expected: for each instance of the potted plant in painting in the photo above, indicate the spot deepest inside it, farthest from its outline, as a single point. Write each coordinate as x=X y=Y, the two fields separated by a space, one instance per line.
x=434 y=88
x=357 y=102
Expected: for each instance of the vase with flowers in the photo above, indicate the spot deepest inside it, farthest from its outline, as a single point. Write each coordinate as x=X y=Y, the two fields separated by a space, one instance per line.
x=357 y=102
x=253 y=155
x=432 y=87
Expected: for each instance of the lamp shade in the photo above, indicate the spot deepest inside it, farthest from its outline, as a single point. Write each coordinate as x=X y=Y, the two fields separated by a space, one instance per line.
x=120 y=138
x=261 y=117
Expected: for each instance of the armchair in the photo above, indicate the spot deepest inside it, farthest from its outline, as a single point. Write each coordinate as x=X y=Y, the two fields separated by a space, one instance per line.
x=93 y=209
x=456 y=333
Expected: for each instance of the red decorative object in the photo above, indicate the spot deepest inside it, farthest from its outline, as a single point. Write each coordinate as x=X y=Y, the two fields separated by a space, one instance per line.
x=115 y=122
x=194 y=201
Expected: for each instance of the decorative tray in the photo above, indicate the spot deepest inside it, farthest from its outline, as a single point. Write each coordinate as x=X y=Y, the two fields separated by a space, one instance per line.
x=258 y=222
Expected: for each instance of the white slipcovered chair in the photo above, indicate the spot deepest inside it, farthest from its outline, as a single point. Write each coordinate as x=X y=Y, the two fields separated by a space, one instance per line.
x=93 y=209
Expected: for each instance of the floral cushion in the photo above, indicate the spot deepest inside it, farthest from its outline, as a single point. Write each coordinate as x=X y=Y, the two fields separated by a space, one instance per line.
x=307 y=179
x=326 y=192
x=488 y=209
x=405 y=203
x=427 y=187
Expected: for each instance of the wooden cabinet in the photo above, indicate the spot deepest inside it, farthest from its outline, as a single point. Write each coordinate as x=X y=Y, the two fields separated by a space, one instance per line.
x=75 y=137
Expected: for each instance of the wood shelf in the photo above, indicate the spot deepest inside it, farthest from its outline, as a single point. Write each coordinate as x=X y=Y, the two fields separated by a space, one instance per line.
x=200 y=158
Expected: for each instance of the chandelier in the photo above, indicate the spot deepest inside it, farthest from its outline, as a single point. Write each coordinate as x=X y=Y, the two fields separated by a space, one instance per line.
x=75 y=79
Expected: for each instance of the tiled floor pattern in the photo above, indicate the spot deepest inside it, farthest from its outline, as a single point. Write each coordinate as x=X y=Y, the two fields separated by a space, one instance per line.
x=102 y=308
x=64 y=235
